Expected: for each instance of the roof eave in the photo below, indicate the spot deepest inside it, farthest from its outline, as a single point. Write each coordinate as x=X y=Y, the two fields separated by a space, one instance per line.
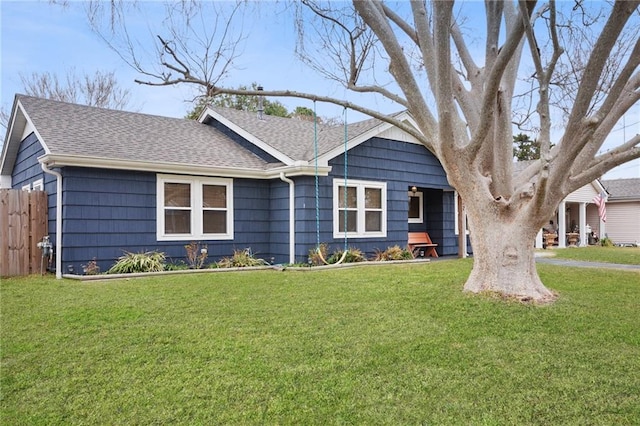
x=18 y=122
x=53 y=160
x=11 y=140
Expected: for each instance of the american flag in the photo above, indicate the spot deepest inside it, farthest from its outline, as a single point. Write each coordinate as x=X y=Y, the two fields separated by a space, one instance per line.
x=599 y=200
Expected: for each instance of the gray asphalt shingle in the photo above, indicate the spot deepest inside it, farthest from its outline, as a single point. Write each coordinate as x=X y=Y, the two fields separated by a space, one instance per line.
x=295 y=138
x=623 y=189
x=70 y=129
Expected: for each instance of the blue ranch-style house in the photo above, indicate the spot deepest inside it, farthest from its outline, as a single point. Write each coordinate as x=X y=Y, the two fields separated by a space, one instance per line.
x=121 y=181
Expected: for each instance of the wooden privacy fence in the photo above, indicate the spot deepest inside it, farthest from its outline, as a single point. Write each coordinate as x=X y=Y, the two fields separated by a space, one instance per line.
x=23 y=223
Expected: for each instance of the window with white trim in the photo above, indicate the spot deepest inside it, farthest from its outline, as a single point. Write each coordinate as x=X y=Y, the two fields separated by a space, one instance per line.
x=416 y=208
x=37 y=185
x=194 y=208
x=365 y=209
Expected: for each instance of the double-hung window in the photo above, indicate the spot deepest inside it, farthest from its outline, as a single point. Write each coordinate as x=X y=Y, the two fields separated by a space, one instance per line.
x=194 y=208
x=360 y=208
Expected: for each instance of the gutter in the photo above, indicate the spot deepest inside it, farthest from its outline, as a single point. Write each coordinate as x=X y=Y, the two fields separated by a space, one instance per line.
x=299 y=168
x=292 y=217
x=58 y=252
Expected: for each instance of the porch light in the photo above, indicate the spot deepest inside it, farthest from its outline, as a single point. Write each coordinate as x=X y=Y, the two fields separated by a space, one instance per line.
x=414 y=189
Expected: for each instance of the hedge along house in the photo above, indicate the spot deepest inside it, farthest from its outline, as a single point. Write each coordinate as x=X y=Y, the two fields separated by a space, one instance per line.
x=121 y=181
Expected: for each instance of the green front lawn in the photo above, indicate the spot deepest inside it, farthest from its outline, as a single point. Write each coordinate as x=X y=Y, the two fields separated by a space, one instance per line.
x=393 y=344
x=623 y=255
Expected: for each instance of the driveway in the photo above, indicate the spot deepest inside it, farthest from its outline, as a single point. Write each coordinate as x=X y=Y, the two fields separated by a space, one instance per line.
x=581 y=264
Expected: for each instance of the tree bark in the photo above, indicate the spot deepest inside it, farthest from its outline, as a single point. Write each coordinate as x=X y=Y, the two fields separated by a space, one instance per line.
x=504 y=256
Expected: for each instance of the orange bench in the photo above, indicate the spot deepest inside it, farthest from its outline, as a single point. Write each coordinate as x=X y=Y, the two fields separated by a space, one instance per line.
x=421 y=240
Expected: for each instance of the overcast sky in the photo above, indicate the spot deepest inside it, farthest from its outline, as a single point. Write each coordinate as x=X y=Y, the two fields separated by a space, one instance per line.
x=39 y=37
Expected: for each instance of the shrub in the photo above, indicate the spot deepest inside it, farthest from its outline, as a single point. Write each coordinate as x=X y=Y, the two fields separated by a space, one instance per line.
x=151 y=261
x=176 y=266
x=196 y=254
x=392 y=253
x=241 y=259
x=317 y=254
x=91 y=268
x=353 y=255
x=606 y=242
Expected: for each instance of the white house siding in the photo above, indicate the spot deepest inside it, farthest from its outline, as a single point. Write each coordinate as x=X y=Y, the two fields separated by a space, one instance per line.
x=623 y=222
x=593 y=220
x=584 y=194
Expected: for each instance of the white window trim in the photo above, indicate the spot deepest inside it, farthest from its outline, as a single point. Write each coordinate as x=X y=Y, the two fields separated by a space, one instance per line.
x=26 y=187
x=360 y=187
x=38 y=185
x=196 y=213
x=455 y=214
x=420 y=218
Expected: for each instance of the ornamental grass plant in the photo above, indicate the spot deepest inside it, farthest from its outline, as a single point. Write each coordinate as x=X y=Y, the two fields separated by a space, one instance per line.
x=151 y=261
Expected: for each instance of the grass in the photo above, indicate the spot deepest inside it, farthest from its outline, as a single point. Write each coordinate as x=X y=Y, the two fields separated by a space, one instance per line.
x=622 y=255
x=393 y=344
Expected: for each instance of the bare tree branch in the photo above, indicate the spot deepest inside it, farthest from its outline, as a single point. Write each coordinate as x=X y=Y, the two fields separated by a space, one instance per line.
x=590 y=78
x=198 y=51
x=335 y=101
x=100 y=89
x=399 y=67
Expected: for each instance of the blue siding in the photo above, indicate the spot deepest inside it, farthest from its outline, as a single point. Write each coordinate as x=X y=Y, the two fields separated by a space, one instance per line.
x=401 y=165
x=251 y=220
x=279 y=221
x=105 y=213
x=27 y=169
x=109 y=211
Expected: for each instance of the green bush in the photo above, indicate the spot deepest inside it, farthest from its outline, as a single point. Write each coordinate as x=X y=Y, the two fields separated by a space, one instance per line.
x=392 y=253
x=176 y=266
x=151 y=261
x=353 y=255
x=316 y=255
x=241 y=259
x=196 y=254
x=606 y=242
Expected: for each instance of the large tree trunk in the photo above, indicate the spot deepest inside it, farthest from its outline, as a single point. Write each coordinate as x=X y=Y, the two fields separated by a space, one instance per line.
x=504 y=258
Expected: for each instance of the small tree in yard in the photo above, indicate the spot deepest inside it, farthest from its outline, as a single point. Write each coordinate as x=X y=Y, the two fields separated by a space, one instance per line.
x=464 y=99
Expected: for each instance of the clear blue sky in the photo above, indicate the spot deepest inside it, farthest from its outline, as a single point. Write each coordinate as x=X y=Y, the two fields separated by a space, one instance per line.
x=36 y=36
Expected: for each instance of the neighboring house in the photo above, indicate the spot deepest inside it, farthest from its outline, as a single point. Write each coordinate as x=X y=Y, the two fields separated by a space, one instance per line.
x=579 y=214
x=623 y=210
x=127 y=181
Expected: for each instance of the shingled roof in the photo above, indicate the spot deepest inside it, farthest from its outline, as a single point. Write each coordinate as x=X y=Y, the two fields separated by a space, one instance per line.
x=74 y=134
x=623 y=189
x=294 y=138
x=70 y=129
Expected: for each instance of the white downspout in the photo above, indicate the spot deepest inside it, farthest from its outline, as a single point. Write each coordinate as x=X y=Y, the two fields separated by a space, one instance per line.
x=58 y=252
x=292 y=217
